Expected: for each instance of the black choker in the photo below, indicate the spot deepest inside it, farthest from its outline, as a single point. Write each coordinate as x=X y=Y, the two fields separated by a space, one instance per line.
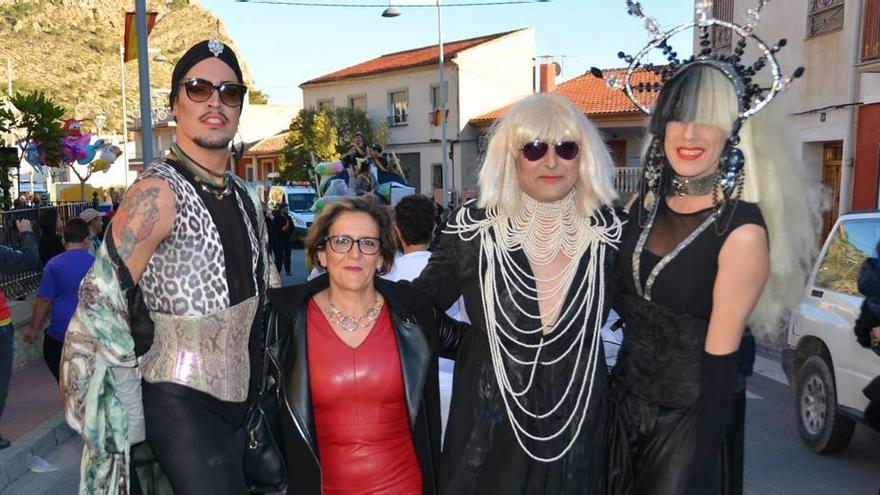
x=686 y=186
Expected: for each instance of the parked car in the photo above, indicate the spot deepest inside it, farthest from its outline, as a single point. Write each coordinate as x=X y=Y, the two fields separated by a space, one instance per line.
x=299 y=200
x=825 y=365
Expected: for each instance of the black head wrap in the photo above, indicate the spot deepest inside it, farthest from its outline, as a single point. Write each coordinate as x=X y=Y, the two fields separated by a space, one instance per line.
x=201 y=51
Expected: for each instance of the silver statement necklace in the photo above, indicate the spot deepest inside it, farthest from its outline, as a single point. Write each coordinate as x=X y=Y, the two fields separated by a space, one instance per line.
x=542 y=231
x=688 y=186
x=353 y=323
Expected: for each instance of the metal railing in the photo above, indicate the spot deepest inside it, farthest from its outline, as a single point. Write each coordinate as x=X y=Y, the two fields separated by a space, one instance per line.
x=20 y=285
x=626 y=180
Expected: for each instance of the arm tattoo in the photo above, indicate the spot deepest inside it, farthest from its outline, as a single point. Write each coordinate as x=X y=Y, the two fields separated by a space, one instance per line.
x=139 y=214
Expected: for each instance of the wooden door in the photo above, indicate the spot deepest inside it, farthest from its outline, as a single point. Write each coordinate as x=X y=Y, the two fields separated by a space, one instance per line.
x=832 y=157
x=618 y=152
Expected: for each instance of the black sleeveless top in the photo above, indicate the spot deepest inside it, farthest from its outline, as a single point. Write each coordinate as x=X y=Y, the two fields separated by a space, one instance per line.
x=665 y=336
x=227 y=217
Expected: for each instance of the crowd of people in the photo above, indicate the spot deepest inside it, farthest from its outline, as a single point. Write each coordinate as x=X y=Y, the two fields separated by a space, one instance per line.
x=187 y=368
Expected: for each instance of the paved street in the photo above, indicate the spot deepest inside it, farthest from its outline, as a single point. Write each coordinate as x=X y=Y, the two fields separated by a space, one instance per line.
x=776 y=461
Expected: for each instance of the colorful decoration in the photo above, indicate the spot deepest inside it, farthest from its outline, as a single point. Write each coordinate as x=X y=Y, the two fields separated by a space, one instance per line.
x=72 y=128
x=32 y=154
x=80 y=149
x=329 y=168
x=108 y=155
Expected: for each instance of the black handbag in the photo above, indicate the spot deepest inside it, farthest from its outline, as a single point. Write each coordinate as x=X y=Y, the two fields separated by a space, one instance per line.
x=265 y=469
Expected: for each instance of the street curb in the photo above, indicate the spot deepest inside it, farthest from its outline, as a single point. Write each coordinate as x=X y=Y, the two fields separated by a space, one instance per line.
x=39 y=442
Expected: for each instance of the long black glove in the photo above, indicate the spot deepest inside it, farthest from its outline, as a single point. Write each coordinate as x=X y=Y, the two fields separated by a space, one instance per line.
x=717 y=377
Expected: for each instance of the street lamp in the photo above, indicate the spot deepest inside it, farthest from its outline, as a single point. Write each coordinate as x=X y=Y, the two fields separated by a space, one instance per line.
x=393 y=12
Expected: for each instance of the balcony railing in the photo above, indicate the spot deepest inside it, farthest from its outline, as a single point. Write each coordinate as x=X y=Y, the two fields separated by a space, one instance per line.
x=871 y=31
x=626 y=181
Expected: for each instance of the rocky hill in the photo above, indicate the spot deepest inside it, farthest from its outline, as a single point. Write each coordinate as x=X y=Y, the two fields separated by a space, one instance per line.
x=70 y=50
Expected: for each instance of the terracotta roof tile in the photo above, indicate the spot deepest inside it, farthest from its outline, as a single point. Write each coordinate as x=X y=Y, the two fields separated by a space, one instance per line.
x=269 y=146
x=407 y=59
x=592 y=96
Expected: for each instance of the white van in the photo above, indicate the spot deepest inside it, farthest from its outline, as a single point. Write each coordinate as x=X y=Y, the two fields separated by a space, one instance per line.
x=826 y=366
x=299 y=201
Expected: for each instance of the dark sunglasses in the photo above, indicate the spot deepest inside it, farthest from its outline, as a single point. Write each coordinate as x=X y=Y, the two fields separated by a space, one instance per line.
x=199 y=90
x=536 y=150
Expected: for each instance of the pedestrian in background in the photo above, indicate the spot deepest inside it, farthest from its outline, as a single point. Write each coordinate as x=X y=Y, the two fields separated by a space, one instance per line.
x=13 y=261
x=59 y=292
x=96 y=228
x=282 y=228
x=50 y=243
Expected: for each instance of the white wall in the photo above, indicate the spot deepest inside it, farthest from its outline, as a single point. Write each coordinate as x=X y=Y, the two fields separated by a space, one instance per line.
x=490 y=75
x=827 y=80
x=480 y=79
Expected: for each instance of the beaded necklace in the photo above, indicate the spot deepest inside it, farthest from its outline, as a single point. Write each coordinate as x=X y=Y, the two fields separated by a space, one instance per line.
x=542 y=231
x=205 y=183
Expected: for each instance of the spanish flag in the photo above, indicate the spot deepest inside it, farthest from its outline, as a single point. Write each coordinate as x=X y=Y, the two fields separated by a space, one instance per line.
x=130 y=41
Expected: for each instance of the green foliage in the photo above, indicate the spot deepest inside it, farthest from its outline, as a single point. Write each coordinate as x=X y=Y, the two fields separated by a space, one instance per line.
x=328 y=135
x=257 y=97
x=38 y=119
x=310 y=132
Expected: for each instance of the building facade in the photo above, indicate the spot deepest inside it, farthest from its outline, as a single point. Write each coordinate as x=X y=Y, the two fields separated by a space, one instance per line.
x=833 y=111
x=402 y=90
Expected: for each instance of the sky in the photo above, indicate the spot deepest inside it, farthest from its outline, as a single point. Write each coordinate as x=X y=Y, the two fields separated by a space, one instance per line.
x=285 y=45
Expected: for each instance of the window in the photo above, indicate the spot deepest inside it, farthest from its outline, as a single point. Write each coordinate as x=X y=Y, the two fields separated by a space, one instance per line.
x=358 y=103
x=722 y=37
x=398 y=103
x=435 y=95
x=267 y=168
x=300 y=201
x=249 y=174
x=824 y=16
x=853 y=241
x=325 y=105
x=437 y=175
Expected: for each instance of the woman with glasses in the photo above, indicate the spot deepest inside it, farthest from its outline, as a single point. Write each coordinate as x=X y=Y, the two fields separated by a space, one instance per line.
x=532 y=259
x=356 y=360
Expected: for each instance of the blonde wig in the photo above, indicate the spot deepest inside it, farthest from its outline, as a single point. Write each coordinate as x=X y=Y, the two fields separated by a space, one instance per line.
x=550 y=118
x=790 y=198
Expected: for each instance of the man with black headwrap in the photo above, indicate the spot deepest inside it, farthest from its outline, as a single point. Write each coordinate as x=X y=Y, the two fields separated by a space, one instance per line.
x=175 y=298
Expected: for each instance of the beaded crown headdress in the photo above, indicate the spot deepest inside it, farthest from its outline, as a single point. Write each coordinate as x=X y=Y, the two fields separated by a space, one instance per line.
x=751 y=96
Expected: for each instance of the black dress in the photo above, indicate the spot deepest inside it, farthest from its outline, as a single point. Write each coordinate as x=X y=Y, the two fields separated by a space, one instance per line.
x=481 y=454
x=656 y=382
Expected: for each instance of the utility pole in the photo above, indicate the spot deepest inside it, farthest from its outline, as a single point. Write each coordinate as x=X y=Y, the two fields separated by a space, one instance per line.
x=124 y=114
x=144 y=82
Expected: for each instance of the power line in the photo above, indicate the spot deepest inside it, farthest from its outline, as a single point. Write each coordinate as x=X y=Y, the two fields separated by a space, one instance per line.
x=381 y=5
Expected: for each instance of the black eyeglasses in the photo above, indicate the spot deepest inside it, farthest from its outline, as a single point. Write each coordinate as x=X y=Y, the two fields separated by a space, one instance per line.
x=199 y=90
x=342 y=244
x=534 y=151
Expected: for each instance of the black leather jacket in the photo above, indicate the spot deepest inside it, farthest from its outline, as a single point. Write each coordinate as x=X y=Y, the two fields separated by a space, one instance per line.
x=422 y=334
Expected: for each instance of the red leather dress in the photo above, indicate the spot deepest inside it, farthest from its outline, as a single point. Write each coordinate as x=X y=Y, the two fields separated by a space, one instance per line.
x=359 y=404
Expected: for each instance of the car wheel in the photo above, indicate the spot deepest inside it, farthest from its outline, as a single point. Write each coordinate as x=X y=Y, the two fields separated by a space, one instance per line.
x=821 y=426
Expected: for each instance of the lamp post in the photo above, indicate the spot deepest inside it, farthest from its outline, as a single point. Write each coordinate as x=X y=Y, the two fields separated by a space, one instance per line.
x=393 y=12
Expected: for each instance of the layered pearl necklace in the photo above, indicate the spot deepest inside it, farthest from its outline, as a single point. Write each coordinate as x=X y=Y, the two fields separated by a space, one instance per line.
x=543 y=231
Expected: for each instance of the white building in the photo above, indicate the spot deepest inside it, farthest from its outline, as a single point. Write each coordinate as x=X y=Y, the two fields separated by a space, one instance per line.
x=402 y=90
x=833 y=111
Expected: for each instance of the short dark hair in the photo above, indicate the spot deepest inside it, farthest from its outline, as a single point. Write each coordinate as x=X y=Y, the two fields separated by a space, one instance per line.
x=316 y=241
x=414 y=217
x=76 y=230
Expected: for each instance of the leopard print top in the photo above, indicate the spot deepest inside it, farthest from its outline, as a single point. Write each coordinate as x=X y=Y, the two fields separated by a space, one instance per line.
x=186 y=276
